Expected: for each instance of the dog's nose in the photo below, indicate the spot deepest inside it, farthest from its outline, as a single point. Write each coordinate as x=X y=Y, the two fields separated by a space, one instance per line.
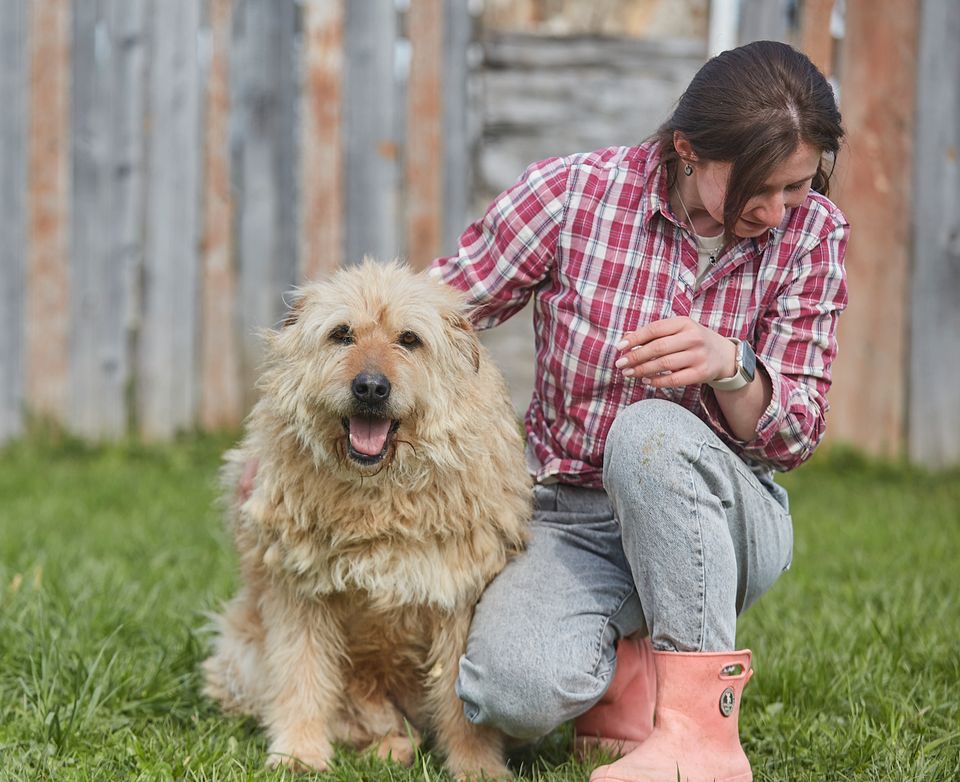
x=370 y=387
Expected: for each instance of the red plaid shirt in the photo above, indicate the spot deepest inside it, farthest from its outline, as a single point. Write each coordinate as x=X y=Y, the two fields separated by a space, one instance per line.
x=594 y=239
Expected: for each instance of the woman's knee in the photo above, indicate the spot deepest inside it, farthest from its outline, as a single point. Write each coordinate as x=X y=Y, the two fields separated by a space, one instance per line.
x=524 y=698
x=647 y=437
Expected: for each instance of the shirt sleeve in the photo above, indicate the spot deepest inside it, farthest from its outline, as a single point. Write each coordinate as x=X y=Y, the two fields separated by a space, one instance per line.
x=796 y=345
x=504 y=255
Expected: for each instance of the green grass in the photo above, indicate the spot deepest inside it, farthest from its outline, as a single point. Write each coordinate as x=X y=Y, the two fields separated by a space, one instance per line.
x=109 y=558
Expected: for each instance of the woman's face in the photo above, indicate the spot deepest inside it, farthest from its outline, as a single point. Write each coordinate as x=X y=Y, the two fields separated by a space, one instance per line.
x=786 y=187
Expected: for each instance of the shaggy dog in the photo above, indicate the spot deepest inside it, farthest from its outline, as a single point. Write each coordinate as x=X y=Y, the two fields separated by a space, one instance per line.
x=391 y=488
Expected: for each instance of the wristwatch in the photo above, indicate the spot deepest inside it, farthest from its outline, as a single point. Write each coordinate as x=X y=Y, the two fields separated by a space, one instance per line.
x=746 y=369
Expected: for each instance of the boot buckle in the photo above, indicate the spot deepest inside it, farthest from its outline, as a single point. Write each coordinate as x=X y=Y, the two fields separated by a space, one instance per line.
x=728 y=700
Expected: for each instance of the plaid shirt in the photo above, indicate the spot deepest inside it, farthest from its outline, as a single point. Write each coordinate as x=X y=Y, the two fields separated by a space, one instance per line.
x=594 y=239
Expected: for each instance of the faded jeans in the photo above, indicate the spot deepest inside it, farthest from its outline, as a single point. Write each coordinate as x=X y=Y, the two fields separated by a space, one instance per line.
x=682 y=538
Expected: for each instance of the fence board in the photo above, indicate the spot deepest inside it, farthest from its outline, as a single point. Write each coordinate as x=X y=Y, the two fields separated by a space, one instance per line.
x=878 y=87
x=371 y=140
x=47 y=294
x=816 y=39
x=13 y=214
x=457 y=164
x=621 y=90
x=221 y=398
x=424 y=138
x=167 y=381
x=934 y=366
x=321 y=141
x=109 y=67
x=765 y=20
x=263 y=87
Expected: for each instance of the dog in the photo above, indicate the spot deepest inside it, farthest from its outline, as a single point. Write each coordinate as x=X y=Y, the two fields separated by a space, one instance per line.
x=390 y=489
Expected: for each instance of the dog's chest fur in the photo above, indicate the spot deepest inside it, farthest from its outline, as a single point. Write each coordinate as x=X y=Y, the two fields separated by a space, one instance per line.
x=376 y=545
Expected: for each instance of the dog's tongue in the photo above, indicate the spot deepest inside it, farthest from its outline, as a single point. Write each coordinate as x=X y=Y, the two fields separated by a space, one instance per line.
x=367 y=435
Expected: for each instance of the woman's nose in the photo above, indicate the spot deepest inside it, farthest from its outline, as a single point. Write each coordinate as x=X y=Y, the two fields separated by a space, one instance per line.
x=772 y=210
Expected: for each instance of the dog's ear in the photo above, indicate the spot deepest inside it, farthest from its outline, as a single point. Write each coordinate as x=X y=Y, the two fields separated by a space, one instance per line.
x=464 y=338
x=293 y=314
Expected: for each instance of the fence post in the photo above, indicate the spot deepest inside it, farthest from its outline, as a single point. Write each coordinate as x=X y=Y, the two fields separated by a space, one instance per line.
x=424 y=138
x=48 y=282
x=263 y=86
x=371 y=132
x=321 y=140
x=221 y=398
x=13 y=212
x=167 y=389
x=764 y=20
x=934 y=365
x=873 y=188
x=457 y=163
x=816 y=39
x=107 y=188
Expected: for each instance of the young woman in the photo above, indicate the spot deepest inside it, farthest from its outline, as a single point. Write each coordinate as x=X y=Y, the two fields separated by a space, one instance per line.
x=686 y=300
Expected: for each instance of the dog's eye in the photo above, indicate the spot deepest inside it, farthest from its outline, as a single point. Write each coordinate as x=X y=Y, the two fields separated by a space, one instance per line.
x=410 y=340
x=342 y=334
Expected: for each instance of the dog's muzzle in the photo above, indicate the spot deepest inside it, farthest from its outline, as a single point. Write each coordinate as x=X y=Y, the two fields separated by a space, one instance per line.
x=371 y=428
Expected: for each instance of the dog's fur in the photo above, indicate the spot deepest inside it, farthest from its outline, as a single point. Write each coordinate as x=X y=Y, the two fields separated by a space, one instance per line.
x=360 y=570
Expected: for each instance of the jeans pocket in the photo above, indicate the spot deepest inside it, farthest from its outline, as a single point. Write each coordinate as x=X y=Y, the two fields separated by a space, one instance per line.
x=545 y=497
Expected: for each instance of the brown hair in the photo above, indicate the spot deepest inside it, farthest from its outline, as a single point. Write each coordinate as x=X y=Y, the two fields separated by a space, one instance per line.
x=753 y=106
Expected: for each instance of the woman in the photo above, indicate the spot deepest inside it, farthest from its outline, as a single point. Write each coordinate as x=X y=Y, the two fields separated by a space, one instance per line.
x=686 y=300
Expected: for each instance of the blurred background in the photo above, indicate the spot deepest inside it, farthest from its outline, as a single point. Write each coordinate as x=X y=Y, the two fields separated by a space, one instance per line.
x=169 y=169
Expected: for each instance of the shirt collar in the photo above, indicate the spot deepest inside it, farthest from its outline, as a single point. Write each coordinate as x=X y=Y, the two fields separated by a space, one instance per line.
x=657 y=196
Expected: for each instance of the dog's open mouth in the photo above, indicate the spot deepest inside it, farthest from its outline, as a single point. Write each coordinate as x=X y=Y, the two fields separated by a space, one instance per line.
x=369 y=438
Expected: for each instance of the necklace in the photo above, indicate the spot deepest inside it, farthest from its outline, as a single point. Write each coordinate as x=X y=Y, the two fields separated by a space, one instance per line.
x=701 y=240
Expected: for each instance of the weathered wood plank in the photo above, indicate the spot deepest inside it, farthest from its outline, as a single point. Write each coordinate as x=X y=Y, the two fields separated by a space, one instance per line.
x=48 y=284
x=765 y=20
x=321 y=140
x=424 y=138
x=263 y=91
x=816 y=40
x=878 y=86
x=221 y=395
x=107 y=122
x=622 y=90
x=457 y=168
x=371 y=131
x=934 y=365
x=13 y=212
x=167 y=351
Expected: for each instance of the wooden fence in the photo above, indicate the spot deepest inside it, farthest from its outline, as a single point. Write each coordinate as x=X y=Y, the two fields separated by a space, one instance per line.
x=169 y=168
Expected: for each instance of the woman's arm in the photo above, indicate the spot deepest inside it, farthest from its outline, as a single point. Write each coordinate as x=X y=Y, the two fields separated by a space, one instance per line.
x=505 y=254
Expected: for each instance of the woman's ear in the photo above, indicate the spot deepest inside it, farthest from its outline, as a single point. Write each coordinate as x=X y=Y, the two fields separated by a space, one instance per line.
x=684 y=147
x=464 y=338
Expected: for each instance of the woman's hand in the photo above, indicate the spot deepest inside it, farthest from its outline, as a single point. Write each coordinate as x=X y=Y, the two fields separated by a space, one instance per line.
x=676 y=352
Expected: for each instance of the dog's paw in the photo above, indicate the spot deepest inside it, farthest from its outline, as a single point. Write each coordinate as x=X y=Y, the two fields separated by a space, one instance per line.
x=399 y=749
x=301 y=761
x=474 y=772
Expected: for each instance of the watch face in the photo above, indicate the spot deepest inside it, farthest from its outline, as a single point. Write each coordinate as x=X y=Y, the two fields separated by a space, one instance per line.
x=748 y=361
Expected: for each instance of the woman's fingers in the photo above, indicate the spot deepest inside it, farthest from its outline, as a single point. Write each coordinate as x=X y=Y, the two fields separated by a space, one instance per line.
x=658 y=350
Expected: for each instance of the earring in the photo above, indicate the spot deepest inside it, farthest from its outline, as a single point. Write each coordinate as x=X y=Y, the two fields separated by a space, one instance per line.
x=688 y=170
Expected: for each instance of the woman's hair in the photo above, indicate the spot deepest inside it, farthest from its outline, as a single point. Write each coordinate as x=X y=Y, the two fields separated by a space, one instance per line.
x=753 y=106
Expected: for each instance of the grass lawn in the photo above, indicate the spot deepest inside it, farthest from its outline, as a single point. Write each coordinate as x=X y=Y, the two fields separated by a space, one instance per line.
x=109 y=558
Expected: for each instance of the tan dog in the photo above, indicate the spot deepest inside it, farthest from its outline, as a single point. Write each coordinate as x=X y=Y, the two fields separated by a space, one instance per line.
x=391 y=488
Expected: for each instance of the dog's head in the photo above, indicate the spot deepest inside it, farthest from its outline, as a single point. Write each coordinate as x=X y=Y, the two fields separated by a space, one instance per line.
x=366 y=361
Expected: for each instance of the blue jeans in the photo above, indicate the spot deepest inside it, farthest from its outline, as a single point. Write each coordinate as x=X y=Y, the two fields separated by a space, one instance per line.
x=682 y=538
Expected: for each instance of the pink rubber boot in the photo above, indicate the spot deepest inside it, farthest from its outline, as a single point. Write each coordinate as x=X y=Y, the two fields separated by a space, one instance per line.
x=696 y=737
x=623 y=717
